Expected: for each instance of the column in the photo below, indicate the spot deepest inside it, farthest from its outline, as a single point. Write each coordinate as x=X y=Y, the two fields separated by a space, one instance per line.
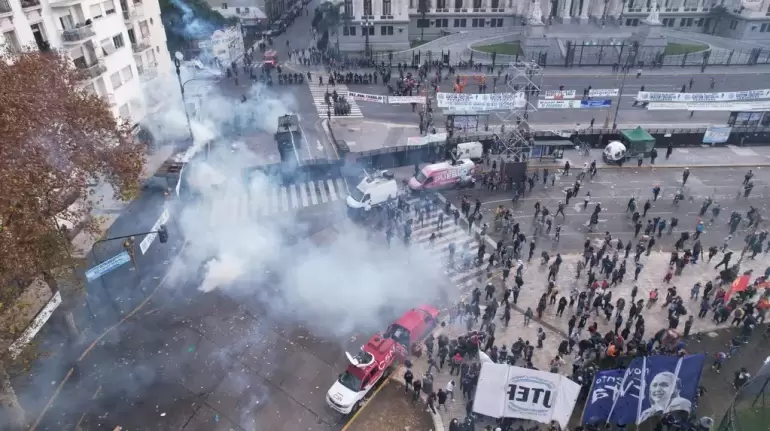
x=566 y=10
x=584 y=10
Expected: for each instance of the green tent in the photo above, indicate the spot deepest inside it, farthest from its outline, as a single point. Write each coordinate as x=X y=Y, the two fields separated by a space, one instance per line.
x=637 y=141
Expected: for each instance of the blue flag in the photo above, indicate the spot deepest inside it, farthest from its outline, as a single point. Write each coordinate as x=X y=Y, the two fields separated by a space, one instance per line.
x=649 y=387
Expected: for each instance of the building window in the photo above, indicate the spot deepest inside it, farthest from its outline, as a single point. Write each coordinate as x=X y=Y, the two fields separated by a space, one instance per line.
x=224 y=5
x=477 y=4
x=459 y=22
x=96 y=11
x=124 y=111
x=458 y=4
x=368 y=8
x=440 y=4
x=367 y=29
x=118 y=41
x=685 y=22
x=423 y=23
x=109 y=7
x=115 y=80
x=348 y=8
x=496 y=22
x=765 y=28
x=12 y=42
x=237 y=10
x=387 y=10
x=477 y=22
x=442 y=23
x=496 y=4
x=386 y=30
x=733 y=24
x=38 y=32
x=128 y=74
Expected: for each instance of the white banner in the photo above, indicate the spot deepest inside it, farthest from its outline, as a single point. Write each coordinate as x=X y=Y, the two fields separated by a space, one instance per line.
x=377 y=98
x=604 y=92
x=751 y=4
x=710 y=106
x=648 y=96
x=481 y=102
x=560 y=95
x=406 y=99
x=521 y=393
x=558 y=104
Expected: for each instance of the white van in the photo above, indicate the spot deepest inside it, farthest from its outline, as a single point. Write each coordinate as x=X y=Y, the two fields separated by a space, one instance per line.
x=469 y=150
x=371 y=192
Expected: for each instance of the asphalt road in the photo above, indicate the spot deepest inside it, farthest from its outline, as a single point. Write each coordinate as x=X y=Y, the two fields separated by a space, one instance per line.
x=628 y=113
x=614 y=187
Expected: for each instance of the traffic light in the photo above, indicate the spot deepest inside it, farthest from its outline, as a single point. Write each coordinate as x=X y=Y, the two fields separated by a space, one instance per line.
x=163 y=234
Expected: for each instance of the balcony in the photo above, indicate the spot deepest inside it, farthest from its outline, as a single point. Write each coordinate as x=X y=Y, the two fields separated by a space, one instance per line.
x=77 y=35
x=148 y=73
x=30 y=4
x=140 y=47
x=131 y=16
x=5 y=8
x=63 y=3
x=92 y=70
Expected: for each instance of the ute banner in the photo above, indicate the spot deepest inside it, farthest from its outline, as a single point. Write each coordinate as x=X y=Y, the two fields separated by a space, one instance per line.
x=521 y=393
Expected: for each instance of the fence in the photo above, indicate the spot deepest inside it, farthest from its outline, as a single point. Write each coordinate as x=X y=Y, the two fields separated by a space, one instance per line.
x=750 y=409
x=577 y=54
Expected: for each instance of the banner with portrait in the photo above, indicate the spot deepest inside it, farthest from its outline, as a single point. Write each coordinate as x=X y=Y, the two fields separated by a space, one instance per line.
x=649 y=387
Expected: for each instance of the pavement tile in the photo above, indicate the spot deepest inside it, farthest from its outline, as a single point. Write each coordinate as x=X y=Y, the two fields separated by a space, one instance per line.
x=240 y=396
x=208 y=419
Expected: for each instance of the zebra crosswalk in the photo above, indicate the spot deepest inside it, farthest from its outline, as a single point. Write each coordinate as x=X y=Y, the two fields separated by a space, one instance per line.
x=462 y=275
x=318 y=92
x=262 y=200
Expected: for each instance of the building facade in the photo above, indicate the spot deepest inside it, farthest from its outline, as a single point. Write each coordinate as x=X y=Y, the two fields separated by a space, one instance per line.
x=250 y=13
x=430 y=19
x=119 y=44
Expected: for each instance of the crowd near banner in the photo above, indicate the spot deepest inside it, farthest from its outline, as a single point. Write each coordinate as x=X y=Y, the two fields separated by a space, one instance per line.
x=604 y=92
x=650 y=387
x=710 y=106
x=560 y=95
x=648 y=96
x=481 y=102
x=717 y=135
x=406 y=99
x=558 y=104
x=504 y=391
x=378 y=98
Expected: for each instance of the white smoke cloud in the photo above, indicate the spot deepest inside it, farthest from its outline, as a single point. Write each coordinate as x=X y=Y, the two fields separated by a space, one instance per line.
x=350 y=284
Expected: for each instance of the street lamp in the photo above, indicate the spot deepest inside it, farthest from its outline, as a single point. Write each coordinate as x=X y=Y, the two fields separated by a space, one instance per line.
x=366 y=27
x=178 y=57
x=630 y=61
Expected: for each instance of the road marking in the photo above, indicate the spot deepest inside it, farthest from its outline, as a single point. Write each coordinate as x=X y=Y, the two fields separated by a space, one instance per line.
x=284 y=199
x=304 y=136
x=332 y=192
x=294 y=196
x=322 y=189
x=303 y=194
x=360 y=409
x=342 y=185
x=313 y=195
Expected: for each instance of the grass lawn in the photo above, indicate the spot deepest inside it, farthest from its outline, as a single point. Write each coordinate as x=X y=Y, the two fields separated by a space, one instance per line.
x=415 y=43
x=683 y=48
x=510 y=48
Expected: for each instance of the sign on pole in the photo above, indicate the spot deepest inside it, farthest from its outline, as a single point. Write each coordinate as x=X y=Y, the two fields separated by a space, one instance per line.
x=560 y=95
x=604 y=92
x=107 y=266
x=147 y=241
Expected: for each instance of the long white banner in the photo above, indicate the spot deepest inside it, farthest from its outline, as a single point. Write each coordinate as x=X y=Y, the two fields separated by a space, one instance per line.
x=558 y=104
x=604 y=92
x=481 y=102
x=710 y=106
x=406 y=99
x=648 y=96
x=377 y=98
x=560 y=95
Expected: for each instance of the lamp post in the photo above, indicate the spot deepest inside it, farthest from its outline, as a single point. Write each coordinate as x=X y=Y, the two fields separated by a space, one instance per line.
x=630 y=61
x=366 y=27
x=178 y=57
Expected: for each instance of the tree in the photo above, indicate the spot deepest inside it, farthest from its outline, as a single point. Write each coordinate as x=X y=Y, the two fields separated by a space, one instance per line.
x=327 y=18
x=717 y=14
x=190 y=21
x=57 y=138
x=423 y=7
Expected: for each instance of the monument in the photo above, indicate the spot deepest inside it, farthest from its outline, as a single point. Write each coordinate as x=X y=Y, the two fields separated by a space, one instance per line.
x=535 y=40
x=648 y=36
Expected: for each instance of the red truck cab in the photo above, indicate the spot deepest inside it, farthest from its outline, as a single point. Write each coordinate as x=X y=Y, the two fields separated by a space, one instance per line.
x=413 y=326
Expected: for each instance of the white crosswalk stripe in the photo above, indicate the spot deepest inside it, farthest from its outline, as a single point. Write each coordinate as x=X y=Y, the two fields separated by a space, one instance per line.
x=318 y=92
x=282 y=198
x=449 y=232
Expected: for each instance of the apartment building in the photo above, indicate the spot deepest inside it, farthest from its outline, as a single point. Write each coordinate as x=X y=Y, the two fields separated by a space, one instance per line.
x=119 y=44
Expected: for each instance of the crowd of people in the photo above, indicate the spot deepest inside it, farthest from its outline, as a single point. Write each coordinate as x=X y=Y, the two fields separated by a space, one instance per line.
x=592 y=298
